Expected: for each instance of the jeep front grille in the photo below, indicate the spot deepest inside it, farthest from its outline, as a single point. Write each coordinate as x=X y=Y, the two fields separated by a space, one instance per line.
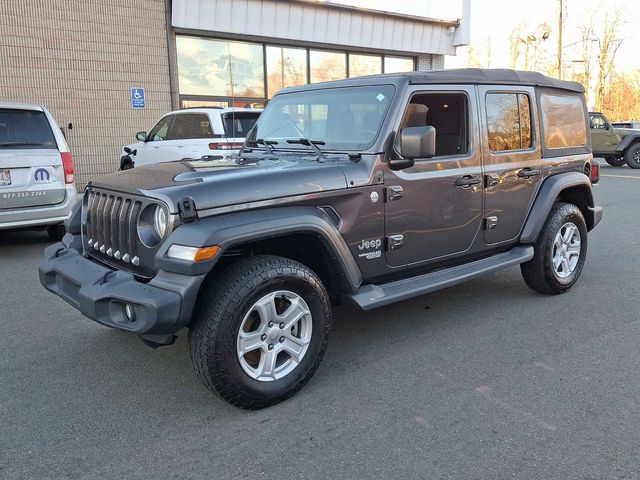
x=110 y=234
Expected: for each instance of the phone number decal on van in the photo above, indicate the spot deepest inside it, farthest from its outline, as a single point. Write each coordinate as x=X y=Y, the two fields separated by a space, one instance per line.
x=39 y=193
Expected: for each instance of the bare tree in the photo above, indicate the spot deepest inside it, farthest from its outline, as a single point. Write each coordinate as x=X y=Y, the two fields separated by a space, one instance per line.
x=609 y=42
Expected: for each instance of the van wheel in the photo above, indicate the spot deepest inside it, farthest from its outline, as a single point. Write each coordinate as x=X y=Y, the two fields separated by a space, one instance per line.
x=56 y=232
x=259 y=330
x=559 y=252
x=632 y=155
x=615 y=161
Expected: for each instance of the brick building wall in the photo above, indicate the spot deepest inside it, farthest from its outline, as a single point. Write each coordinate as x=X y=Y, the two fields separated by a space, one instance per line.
x=80 y=58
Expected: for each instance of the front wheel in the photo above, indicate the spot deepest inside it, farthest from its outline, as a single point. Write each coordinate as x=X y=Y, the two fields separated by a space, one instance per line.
x=559 y=252
x=632 y=155
x=259 y=330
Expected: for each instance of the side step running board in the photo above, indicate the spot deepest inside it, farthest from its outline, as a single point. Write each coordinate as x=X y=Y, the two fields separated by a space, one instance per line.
x=371 y=296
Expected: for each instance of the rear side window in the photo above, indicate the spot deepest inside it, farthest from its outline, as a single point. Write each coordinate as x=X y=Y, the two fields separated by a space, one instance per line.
x=238 y=124
x=563 y=121
x=508 y=121
x=25 y=129
x=190 y=125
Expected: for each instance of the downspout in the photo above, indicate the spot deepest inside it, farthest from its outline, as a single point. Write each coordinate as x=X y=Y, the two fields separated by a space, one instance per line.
x=172 y=53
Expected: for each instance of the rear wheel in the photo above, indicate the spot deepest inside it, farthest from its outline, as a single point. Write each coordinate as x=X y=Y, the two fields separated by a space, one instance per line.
x=615 y=161
x=56 y=232
x=632 y=155
x=259 y=330
x=559 y=252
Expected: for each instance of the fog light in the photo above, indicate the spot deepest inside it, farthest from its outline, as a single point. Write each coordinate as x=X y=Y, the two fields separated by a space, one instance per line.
x=129 y=312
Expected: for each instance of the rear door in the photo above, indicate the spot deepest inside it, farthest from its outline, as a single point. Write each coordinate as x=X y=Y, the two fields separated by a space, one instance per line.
x=31 y=172
x=512 y=160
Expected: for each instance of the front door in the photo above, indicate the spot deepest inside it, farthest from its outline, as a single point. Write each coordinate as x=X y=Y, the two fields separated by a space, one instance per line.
x=603 y=136
x=512 y=160
x=433 y=210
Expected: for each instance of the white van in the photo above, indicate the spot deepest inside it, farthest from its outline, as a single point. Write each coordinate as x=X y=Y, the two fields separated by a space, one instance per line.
x=191 y=133
x=37 y=181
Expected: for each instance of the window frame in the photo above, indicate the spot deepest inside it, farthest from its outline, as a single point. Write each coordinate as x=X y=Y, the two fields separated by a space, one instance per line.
x=534 y=138
x=453 y=157
x=168 y=118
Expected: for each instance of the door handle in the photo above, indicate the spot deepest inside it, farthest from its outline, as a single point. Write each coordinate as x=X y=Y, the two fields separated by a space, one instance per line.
x=467 y=181
x=528 y=172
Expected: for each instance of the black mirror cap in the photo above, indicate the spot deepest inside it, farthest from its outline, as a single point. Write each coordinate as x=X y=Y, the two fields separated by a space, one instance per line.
x=141 y=136
x=418 y=142
x=127 y=150
x=401 y=163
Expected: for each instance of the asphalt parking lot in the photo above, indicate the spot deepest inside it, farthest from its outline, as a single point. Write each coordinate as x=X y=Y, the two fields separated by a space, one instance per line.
x=482 y=380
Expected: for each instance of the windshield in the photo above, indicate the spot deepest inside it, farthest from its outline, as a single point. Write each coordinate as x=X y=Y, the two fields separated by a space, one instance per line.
x=237 y=124
x=25 y=129
x=346 y=118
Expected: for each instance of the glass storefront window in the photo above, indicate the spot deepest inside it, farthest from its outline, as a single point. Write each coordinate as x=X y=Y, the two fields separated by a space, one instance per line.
x=202 y=104
x=327 y=66
x=286 y=67
x=364 y=65
x=219 y=68
x=398 y=64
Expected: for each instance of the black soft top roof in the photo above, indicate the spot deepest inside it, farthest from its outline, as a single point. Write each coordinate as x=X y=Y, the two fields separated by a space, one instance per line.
x=497 y=76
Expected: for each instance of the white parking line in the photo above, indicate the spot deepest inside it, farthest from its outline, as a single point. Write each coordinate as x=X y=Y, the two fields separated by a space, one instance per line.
x=621 y=176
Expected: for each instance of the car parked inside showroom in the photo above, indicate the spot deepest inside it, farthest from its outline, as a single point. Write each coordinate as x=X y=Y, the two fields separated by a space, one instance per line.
x=37 y=178
x=191 y=133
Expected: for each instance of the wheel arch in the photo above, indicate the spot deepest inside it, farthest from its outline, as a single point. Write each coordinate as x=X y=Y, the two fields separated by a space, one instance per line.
x=570 y=187
x=280 y=231
x=626 y=142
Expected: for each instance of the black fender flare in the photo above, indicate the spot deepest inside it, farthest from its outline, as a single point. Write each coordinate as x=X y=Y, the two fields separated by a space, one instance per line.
x=126 y=159
x=231 y=229
x=548 y=193
x=626 y=141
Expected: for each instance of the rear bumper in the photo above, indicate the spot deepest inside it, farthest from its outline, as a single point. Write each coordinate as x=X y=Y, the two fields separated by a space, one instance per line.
x=37 y=216
x=162 y=306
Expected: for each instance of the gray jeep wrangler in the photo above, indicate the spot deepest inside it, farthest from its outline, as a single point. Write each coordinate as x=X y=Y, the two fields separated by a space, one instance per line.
x=368 y=191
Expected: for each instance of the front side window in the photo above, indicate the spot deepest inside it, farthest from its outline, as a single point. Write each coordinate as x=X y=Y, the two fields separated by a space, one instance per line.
x=161 y=130
x=343 y=118
x=508 y=121
x=598 y=122
x=190 y=125
x=447 y=113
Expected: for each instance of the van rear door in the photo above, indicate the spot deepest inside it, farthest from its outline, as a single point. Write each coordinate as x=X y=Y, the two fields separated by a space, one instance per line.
x=31 y=171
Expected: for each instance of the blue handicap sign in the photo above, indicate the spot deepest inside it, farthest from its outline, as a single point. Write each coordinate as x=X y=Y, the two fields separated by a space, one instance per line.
x=137 y=97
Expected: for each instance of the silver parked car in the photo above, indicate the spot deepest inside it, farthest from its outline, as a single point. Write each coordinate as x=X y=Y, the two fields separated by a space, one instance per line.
x=37 y=181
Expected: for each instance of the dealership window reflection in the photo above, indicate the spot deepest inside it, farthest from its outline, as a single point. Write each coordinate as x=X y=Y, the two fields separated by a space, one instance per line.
x=219 y=68
x=286 y=67
x=398 y=64
x=364 y=65
x=327 y=66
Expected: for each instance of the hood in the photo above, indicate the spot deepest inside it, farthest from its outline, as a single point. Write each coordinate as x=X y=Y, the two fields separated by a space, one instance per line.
x=230 y=181
x=626 y=131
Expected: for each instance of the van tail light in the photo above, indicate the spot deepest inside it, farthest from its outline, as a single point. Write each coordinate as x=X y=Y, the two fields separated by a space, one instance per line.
x=594 y=173
x=225 y=146
x=67 y=165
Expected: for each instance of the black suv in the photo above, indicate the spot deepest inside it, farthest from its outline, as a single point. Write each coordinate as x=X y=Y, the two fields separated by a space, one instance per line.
x=368 y=191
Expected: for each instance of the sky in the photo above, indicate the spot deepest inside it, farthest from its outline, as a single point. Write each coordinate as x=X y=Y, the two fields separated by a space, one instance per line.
x=493 y=20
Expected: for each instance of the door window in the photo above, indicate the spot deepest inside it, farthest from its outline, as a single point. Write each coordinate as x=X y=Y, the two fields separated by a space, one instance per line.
x=598 y=122
x=159 y=132
x=508 y=121
x=190 y=125
x=447 y=113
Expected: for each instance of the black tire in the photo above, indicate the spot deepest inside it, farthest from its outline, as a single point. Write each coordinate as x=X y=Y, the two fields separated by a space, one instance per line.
x=56 y=232
x=632 y=155
x=222 y=304
x=615 y=161
x=539 y=273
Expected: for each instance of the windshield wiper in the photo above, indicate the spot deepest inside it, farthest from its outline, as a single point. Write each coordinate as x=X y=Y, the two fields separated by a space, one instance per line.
x=309 y=143
x=267 y=143
x=17 y=144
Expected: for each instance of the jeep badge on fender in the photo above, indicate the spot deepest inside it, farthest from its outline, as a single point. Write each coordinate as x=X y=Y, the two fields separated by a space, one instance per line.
x=406 y=184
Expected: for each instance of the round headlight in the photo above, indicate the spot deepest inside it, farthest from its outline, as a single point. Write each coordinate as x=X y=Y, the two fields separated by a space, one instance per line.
x=160 y=221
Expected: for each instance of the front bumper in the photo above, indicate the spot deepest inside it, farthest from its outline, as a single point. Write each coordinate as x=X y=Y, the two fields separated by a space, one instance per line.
x=162 y=306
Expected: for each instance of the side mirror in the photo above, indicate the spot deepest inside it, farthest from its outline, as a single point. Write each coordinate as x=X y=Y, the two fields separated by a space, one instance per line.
x=141 y=136
x=415 y=142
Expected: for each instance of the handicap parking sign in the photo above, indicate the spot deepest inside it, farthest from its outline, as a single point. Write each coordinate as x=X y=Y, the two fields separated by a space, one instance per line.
x=137 y=97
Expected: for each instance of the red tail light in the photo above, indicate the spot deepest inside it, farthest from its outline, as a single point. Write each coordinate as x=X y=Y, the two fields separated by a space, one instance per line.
x=225 y=146
x=594 y=174
x=67 y=164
